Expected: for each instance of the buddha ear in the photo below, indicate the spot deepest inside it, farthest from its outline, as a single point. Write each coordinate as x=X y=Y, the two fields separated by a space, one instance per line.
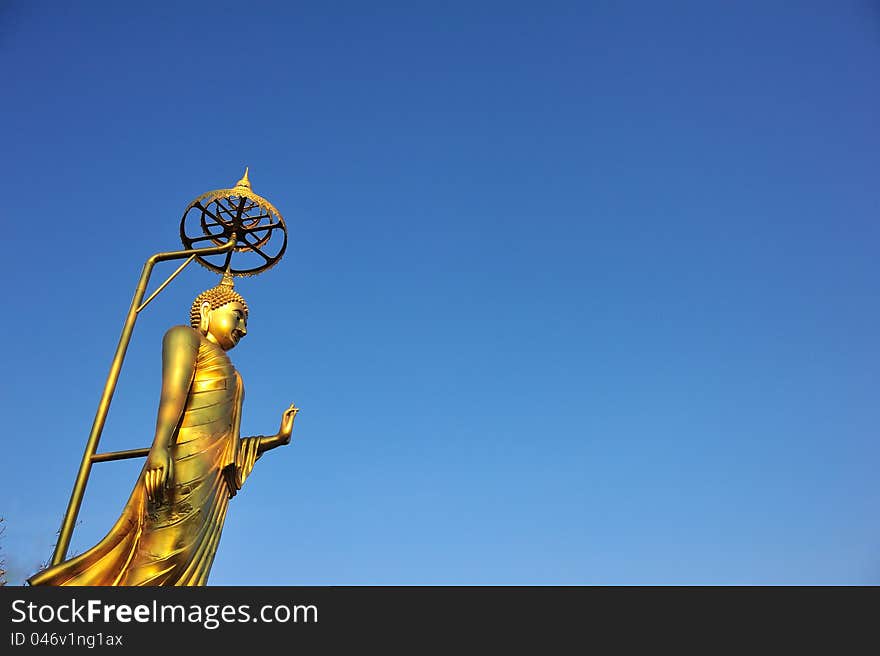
x=204 y=317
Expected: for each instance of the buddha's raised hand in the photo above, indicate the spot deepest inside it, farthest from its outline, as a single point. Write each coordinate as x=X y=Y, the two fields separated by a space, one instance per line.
x=287 y=418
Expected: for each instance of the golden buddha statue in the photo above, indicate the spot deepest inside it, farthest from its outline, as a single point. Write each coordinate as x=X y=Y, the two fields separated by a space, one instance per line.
x=170 y=527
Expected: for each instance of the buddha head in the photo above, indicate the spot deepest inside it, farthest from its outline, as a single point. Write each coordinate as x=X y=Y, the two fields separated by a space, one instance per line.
x=220 y=314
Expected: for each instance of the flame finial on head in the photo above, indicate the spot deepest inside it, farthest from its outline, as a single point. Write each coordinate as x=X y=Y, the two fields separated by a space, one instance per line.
x=217 y=297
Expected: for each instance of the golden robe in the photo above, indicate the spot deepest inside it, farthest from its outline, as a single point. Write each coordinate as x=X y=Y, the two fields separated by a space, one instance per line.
x=173 y=543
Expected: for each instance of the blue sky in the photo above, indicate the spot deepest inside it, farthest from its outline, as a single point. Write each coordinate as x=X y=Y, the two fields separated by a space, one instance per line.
x=575 y=292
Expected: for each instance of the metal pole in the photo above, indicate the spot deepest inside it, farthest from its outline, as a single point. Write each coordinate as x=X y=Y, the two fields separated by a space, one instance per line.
x=165 y=284
x=82 y=477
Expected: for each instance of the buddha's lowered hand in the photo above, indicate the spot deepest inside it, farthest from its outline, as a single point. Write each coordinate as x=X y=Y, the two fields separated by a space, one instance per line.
x=158 y=472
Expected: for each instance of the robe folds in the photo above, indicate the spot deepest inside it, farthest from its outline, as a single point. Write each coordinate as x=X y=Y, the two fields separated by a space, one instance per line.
x=174 y=542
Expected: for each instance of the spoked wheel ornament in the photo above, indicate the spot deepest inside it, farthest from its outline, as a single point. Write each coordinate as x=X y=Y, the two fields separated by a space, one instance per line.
x=213 y=218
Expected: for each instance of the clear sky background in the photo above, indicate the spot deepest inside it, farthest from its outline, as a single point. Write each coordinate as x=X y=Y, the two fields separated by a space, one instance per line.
x=576 y=292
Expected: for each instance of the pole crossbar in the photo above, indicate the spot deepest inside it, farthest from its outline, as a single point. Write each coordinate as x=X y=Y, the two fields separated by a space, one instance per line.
x=120 y=455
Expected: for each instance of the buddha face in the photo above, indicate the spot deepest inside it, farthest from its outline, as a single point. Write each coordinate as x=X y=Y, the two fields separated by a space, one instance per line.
x=226 y=325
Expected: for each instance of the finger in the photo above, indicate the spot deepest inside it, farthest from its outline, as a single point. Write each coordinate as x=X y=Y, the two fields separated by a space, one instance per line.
x=152 y=481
